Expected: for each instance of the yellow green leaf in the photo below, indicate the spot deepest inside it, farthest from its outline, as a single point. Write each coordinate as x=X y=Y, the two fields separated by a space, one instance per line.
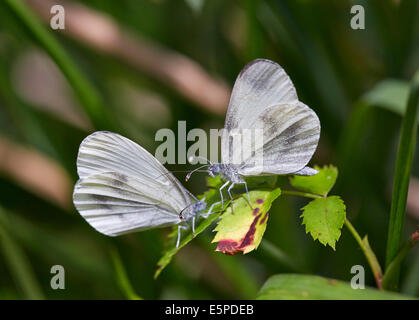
x=241 y=230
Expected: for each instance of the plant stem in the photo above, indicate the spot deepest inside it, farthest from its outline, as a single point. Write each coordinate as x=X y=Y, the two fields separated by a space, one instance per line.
x=301 y=194
x=368 y=252
x=402 y=178
x=363 y=243
x=395 y=264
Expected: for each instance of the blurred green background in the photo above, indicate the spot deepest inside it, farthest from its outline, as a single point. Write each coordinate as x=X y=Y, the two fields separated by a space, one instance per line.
x=134 y=67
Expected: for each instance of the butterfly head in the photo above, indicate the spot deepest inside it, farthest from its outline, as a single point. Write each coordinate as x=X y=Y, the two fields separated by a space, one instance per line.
x=193 y=210
x=215 y=169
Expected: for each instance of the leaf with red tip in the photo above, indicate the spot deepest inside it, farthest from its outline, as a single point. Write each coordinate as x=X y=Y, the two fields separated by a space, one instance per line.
x=242 y=230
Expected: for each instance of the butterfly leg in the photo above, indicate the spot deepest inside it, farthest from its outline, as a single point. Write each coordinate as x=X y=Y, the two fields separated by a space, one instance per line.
x=193 y=226
x=248 y=197
x=206 y=215
x=178 y=236
x=179 y=228
x=231 y=197
x=221 y=193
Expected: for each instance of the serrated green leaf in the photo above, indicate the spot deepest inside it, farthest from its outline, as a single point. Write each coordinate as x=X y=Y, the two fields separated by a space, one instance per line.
x=211 y=196
x=324 y=218
x=320 y=183
x=308 y=287
x=242 y=230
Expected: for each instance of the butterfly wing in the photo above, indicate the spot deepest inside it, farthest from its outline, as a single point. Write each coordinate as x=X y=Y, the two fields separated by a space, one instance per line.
x=116 y=204
x=290 y=137
x=261 y=83
x=265 y=99
x=123 y=188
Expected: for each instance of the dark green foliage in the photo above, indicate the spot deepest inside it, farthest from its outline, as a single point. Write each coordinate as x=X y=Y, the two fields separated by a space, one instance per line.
x=335 y=70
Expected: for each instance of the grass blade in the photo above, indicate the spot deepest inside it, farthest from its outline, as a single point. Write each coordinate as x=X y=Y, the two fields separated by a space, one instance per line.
x=401 y=179
x=88 y=96
x=122 y=277
x=18 y=263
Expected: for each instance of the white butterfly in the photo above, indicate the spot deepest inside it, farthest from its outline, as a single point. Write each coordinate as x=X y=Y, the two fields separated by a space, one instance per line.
x=123 y=188
x=264 y=97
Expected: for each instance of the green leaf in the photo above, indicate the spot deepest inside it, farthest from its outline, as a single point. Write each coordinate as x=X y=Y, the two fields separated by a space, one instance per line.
x=390 y=94
x=320 y=183
x=211 y=196
x=324 y=218
x=242 y=230
x=307 y=287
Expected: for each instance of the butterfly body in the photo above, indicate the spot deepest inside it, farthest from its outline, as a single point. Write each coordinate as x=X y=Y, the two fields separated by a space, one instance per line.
x=227 y=171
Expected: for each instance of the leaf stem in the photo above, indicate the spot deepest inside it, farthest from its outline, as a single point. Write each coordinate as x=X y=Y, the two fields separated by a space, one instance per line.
x=301 y=194
x=353 y=231
x=363 y=243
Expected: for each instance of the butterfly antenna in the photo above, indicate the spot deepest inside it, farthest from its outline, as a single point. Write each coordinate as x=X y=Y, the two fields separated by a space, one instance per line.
x=192 y=158
x=188 y=176
x=169 y=172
